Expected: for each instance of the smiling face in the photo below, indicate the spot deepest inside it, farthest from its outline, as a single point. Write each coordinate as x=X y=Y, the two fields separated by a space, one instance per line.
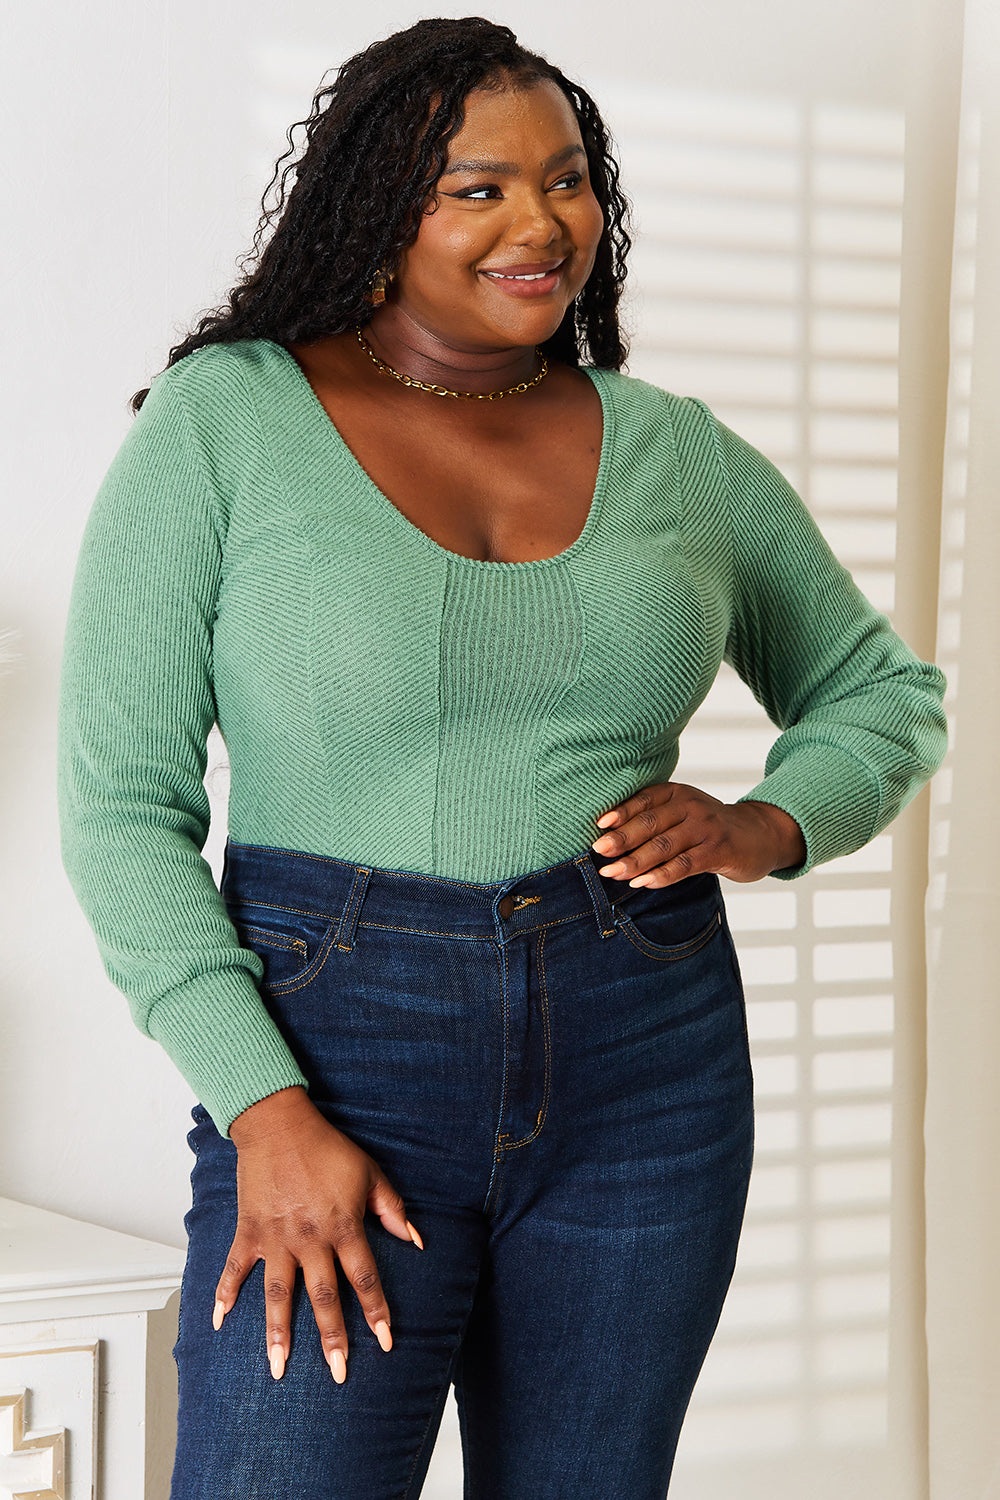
x=512 y=233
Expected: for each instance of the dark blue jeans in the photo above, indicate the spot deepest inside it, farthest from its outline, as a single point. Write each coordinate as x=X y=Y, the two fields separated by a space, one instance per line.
x=553 y=1071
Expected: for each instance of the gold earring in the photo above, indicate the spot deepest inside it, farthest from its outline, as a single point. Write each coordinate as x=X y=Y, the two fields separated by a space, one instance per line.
x=376 y=292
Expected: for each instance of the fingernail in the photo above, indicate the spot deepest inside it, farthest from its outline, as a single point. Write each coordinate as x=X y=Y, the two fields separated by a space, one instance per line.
x=639 y=880
x=277 y=1361
x=218 y=1313
x=338 y=1366
x=414 y=1236
x=383 y=1335
x=606 y=818
x=602 y=845
x=612 y=869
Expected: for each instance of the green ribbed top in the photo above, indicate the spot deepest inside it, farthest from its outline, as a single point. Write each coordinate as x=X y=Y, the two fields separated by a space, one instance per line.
x=386 y=701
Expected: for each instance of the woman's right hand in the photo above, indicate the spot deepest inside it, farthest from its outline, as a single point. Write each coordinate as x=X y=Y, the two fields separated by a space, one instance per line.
x=303 y=1187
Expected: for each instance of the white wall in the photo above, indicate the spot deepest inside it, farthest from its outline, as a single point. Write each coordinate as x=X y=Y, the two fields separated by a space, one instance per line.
x=139 y=140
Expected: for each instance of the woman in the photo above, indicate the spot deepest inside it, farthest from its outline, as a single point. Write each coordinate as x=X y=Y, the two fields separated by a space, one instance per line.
x=451 y=593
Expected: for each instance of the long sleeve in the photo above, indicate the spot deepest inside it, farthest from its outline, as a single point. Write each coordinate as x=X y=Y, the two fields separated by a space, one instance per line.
x=135 y=708
x=861 y=715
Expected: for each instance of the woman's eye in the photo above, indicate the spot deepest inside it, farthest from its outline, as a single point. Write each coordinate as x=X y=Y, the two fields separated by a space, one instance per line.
x=482 y=194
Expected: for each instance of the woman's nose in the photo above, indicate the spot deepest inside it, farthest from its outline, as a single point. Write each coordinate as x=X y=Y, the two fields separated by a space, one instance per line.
x=535 y=224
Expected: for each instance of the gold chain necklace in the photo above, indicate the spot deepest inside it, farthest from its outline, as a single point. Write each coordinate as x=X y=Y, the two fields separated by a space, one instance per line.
x=442 y=390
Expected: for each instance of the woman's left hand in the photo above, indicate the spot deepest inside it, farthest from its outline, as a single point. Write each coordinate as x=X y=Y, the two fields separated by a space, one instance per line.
x=668 y=831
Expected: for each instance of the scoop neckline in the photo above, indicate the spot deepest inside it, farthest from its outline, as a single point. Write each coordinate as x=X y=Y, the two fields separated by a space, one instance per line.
x=316 y=409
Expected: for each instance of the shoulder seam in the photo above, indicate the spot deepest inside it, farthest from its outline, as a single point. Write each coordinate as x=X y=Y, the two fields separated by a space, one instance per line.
x=239 y=375
x=217 y=508
x=261 y=429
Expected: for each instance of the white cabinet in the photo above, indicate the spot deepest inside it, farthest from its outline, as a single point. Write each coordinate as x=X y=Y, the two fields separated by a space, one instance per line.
x=88 y=1396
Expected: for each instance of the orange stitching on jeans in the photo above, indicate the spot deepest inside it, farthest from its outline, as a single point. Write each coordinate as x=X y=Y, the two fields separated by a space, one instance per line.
x=353 y=904
x=663 y=954
x=556 y=922
x=239 y=900
x=307 y=978
x=475 y=937
x=540 y=1117
x=543 y=987
x=496 y=1169
x=479 y=936
x=502 y=956
x=276 y=939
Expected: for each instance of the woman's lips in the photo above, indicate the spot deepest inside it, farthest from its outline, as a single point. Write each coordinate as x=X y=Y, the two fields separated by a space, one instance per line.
x=526 y=281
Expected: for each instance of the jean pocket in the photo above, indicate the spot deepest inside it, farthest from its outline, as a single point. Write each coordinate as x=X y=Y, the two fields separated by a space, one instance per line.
x=670 y=923
x=292 y=945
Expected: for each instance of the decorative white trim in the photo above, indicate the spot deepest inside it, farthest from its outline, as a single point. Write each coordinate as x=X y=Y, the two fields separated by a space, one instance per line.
x=68 y=1291
x=21 y=1442
x=55 y=1267
x=62 y=1377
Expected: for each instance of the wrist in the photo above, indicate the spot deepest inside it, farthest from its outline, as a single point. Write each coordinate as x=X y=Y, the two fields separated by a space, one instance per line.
x=271 y=1116
x=787 y=845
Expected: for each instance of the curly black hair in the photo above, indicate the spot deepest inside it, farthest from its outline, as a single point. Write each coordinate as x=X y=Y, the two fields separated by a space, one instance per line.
x=376 y=144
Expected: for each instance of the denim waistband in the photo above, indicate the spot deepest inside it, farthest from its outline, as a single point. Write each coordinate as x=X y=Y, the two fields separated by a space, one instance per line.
x=338 y=890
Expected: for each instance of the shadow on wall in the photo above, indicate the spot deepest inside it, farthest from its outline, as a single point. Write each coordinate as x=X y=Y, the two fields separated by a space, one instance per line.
x=767 y=271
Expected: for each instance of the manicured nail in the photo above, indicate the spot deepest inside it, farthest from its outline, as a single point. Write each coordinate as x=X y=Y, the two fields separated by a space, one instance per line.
x=612 y=870
x=277 y=1361
x=606 y=818
x=218 y=1313
x=338 y=1366
x=414 y=1236
x=603 y=845
x=640 y=880
x=383 y=1335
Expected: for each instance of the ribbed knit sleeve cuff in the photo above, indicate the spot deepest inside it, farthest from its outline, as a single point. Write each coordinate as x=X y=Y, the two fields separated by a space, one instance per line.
x=832 y=796
x=225 y=1044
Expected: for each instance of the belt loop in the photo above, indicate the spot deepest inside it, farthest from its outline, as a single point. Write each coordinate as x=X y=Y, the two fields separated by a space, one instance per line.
x=602 y=906
x=352 y=908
